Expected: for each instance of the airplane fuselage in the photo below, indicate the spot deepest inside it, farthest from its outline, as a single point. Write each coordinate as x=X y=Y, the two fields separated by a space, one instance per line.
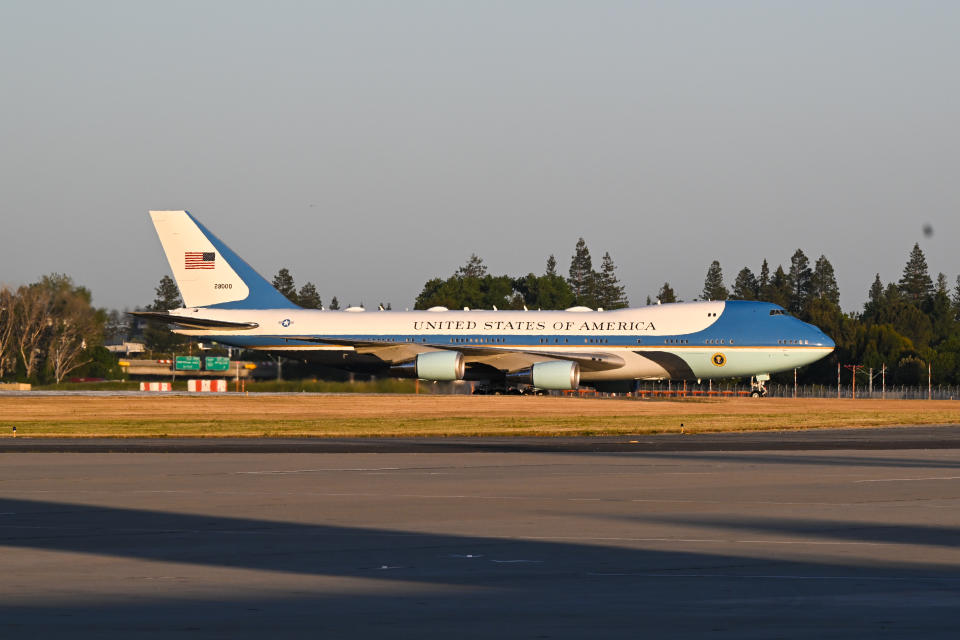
x=697 y=340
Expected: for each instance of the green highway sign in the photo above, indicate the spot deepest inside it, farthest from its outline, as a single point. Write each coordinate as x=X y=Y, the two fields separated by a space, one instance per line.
x=187 y=363
x=216 y=363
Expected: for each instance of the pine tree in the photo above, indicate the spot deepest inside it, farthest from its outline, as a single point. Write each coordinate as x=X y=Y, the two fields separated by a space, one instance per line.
x=158 y=337
x=474 y=268
x=875 y=299
x=283 y=282
x=823 y=283
x=582 y=278
x=168 y=296
x=916 y=285
x=799 y=278
x=745 y=287
x=549 y=291
x=551 y=266
x=334 y=304
x=308 y=298
x=610 y=293
x=713 y=288
x=779 y=289
x=764 y=280
x=956 y=299
x=666 y=294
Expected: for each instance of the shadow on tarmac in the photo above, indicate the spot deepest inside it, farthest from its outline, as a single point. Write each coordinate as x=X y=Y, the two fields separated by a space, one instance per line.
x=473 y=587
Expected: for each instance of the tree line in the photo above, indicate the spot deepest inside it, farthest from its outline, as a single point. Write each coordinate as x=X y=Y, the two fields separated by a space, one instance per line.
x=49 y=330
x=904 y=325
x=473 y=287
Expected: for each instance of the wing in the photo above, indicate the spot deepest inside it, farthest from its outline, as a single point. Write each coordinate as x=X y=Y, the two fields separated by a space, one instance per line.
x=192 y=323
x=503 y=358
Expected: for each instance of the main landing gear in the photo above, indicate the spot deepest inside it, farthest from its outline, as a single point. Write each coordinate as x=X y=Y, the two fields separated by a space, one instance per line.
x=758 y=385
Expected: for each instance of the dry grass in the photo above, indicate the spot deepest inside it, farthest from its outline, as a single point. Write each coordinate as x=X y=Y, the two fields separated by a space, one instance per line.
x=395 y=416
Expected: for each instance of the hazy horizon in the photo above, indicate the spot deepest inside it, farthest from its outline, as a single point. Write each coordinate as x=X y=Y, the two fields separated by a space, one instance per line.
x=371 y=146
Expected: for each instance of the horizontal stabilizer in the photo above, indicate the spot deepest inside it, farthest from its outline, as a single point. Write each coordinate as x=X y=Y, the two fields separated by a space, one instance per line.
x=192 y=323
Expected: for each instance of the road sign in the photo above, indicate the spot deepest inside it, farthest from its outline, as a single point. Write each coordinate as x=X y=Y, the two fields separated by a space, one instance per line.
x=216 y=363
x=187 y=363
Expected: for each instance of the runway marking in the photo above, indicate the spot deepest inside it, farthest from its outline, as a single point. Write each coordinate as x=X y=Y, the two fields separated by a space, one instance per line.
x=909 y=479
x=781 y=577
x=319 y=470
x=517 y=561
x=719 y=541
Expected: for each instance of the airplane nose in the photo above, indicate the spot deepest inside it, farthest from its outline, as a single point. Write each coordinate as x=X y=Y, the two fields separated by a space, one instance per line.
x=819 y=338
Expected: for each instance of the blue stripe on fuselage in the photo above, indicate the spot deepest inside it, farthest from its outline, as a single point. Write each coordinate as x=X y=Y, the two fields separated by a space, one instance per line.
x=741 y=324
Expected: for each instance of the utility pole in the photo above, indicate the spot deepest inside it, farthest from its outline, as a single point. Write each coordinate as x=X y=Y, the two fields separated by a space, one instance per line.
x=838 y=380
x=929 y=381
x=883 y=380
x=871 y=383
x=794 y=383
x=854 y=368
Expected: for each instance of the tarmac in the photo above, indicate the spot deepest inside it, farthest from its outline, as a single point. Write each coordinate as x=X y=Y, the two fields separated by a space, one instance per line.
x=789 y=534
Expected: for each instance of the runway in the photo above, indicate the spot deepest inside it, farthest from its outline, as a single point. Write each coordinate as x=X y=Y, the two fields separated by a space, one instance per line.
x=912 y=437
x=739 y=544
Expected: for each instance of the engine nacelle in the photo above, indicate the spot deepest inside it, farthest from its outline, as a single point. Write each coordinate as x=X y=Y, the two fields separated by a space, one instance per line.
x=433 y=365
x=556 y=375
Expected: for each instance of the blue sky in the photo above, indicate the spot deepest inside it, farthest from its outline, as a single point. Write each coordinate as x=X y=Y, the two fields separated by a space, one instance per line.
x=369 y=146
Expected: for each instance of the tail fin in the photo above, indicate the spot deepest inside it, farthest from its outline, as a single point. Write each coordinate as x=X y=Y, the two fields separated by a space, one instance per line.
x=207 y=272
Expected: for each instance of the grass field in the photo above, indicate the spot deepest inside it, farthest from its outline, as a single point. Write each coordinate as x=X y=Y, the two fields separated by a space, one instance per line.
x=409 y=415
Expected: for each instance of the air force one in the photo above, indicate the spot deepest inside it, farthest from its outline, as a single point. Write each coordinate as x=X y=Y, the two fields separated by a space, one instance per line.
x=230 y=303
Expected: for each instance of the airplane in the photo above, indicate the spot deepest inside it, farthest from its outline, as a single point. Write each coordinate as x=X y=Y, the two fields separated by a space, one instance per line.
x=227 y=302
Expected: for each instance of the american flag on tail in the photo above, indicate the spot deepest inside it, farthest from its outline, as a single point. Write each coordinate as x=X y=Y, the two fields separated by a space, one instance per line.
x=198 y=259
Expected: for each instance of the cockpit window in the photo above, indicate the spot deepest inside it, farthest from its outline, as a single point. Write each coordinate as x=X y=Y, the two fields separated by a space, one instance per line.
x=777 y=312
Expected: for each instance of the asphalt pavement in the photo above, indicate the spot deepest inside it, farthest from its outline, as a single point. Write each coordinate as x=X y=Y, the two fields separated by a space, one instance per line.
x=788 y=542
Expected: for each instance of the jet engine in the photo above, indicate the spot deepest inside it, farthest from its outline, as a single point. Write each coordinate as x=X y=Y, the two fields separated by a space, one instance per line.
x=433 y=365
x=548 y=375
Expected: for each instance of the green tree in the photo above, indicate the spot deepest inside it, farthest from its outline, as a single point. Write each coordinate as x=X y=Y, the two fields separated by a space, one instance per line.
x=549 y=291
x=167 y=296
x=956 y=299
x=474 y=268
x=610 y=293
x=283 y=282
x=308 y=298
x=582 y=278
x=334 y=304
x=713 y=287
x=875 y=299
x=553 y=292
x=157 y=336
x=666 y=294
x=778 y=288
x=916 y=285
x=800 y=277
x=823 y=283
x=552 y=267
x=745 y=287
x=8 y=312
x=941 y=311
x=764 y=280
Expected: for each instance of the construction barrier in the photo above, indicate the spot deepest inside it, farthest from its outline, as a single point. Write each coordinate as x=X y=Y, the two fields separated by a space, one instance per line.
x=206 y=385
x=15 y=386
x=156 y=386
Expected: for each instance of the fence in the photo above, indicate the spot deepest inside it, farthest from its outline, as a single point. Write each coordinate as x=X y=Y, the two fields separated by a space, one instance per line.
x=892 y=392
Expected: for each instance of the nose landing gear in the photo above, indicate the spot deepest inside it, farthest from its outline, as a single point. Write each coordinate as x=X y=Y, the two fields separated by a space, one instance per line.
x=758 y=385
